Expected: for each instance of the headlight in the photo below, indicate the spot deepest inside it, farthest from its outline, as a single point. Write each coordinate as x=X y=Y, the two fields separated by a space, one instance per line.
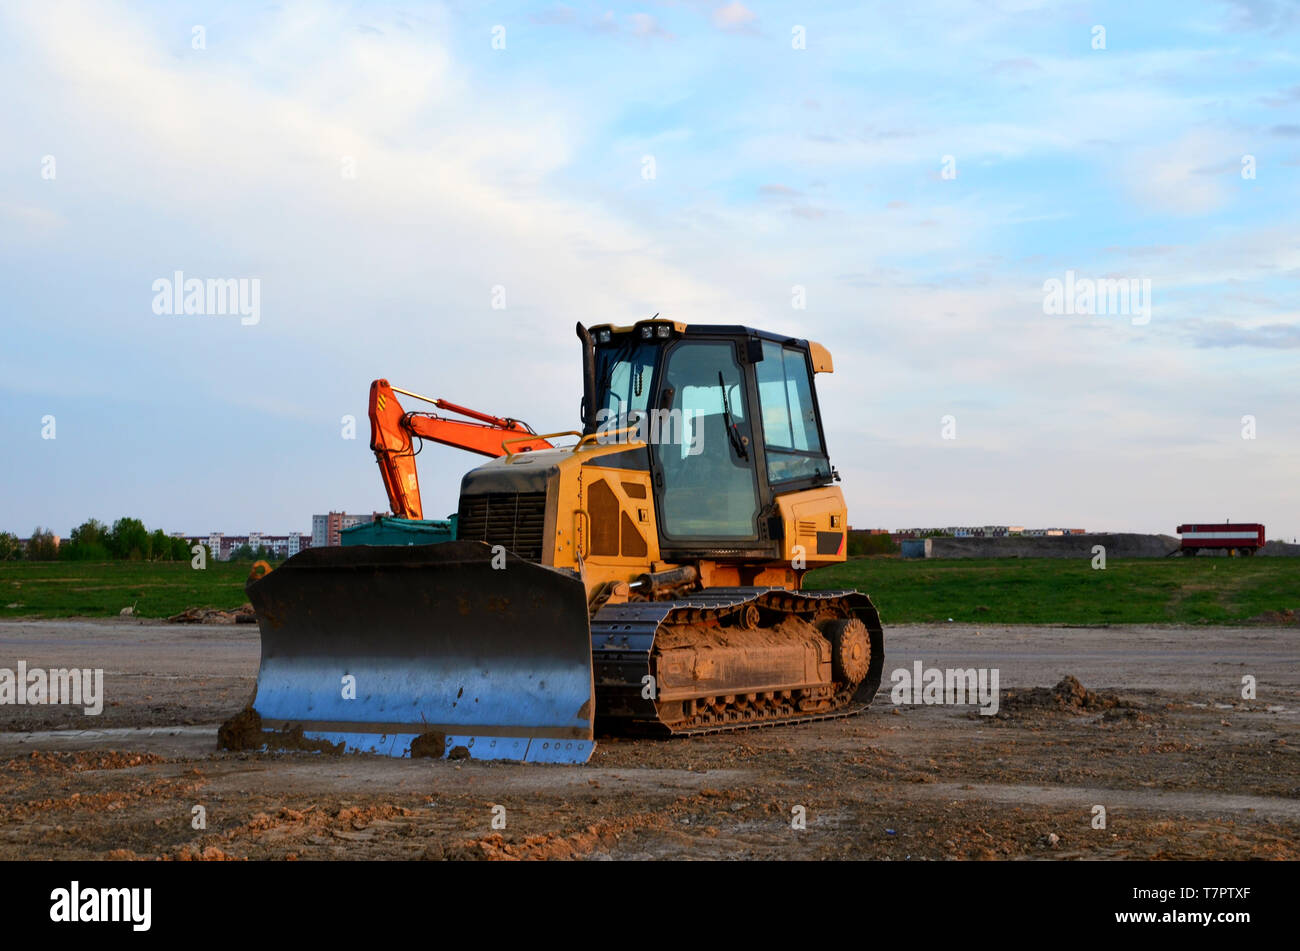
x=664 y=331
x=647 y=332
x=602 y=336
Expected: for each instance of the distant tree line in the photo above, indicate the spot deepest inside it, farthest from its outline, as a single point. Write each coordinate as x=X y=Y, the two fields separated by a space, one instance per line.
x=126 y=540
x=246 y=552
x=861 y=544
x=92 y=540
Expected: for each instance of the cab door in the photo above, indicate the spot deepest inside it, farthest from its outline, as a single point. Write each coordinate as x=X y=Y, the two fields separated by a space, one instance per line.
x=702 y=455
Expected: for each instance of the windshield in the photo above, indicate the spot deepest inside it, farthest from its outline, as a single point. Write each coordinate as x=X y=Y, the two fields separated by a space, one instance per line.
x=708 y=484
x=623 y=378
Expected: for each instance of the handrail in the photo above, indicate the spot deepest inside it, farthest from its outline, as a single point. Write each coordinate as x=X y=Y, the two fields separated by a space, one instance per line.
x=582 y=440
x=598 y=436
x=578 y=546
x=533 y=437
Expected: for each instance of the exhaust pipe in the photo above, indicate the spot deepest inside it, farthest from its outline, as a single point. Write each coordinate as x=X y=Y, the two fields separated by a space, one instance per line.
x=588 y=382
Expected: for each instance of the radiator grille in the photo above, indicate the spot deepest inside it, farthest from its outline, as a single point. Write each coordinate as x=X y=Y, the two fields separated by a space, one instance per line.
x=513 y=519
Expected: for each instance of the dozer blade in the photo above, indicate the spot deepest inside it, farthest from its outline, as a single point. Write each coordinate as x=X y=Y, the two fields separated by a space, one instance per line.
x=451 y=656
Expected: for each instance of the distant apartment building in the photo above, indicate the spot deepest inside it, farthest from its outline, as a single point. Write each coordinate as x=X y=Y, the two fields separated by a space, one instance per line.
x=223 y=546
x=324 y=532
x=282 y=546
x=325 y=529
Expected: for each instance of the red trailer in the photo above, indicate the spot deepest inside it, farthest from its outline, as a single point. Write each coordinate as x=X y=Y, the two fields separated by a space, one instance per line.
x=1237 y=537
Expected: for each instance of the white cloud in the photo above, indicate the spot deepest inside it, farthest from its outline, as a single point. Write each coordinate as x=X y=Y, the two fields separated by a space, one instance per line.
x=734 y=17
x=643 y=24
x=28 y=222
x=1179 y=177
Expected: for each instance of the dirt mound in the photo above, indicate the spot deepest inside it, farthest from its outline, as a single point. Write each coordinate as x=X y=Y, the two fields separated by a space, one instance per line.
x=39 y=762
x=241 y=615
x=1068 y=696
x=431 y=744
x=244 y=731
x=602 y=836
x=316 y=819
x=209 y=854
x=1287 y=616
x=95 y=803
x=497 y=848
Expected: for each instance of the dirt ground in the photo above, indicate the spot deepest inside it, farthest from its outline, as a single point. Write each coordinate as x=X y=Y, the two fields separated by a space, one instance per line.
x=1183 y=766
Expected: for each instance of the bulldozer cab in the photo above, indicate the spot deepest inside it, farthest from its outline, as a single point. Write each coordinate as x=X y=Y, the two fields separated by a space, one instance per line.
x=729 y=417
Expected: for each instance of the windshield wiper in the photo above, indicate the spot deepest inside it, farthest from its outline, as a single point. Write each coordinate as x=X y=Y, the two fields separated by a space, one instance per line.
x=732 y=433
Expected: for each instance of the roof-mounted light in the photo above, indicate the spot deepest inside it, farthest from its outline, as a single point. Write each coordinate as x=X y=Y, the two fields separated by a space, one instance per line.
x=658 y=329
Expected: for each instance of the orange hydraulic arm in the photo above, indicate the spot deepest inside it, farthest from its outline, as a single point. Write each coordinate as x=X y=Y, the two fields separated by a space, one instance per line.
x=393 y=431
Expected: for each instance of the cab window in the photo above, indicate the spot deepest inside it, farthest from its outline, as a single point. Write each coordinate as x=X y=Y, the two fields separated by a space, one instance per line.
x=623 y=377
x=789 y=418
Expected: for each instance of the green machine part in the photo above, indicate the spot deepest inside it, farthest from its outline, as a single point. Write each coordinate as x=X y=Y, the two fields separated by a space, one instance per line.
x=401 y=531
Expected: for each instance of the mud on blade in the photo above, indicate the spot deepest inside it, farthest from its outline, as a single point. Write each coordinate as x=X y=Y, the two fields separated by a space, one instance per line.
x=451 y=657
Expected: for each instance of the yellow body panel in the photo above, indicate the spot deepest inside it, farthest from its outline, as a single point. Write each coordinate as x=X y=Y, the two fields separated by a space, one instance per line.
x=808 y=515
x=620 y=541
x=821 y=358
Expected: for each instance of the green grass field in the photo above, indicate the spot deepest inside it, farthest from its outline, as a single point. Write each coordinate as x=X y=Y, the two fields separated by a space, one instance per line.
x=93 y=589
x=1069 y=591
x=993 y=591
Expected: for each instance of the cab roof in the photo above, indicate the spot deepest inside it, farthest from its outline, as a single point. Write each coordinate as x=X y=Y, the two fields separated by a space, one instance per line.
x=821 y=357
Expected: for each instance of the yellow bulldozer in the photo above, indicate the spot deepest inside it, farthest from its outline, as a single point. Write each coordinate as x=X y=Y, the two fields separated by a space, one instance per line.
x=644 y=578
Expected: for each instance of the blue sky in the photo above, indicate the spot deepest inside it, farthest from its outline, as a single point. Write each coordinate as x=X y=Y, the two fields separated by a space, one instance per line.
x=775 y=167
